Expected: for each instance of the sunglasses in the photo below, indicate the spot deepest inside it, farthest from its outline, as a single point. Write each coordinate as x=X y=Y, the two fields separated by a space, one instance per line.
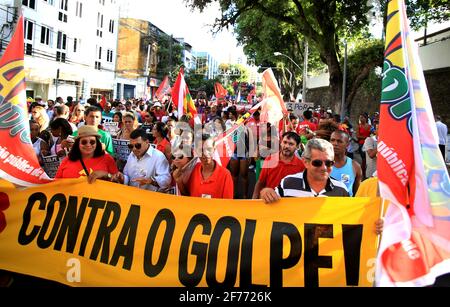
x=319 y=163
x=137 y=146
x=177 y=157
x=86 y=142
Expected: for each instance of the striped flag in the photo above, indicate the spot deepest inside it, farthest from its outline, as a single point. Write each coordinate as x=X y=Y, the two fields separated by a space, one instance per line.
x=181 y=97
x=18 y=161
x=225 y=143
x=415 y=245
x=163 y=89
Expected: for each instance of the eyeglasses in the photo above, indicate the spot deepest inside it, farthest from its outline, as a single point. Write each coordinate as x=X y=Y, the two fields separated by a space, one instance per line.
x=137 y=146
x=319 y=163
x=86 y=142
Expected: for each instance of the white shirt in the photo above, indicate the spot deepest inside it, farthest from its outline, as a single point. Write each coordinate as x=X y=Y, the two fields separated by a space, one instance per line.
x=442 y=132
x=152 y=165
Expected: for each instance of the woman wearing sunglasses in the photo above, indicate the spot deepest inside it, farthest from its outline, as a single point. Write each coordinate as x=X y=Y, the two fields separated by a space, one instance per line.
x=87 y=158
x=314 y=181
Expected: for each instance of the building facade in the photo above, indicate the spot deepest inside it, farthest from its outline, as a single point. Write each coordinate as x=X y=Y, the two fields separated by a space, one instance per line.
x=70 y=46
x=206 y=65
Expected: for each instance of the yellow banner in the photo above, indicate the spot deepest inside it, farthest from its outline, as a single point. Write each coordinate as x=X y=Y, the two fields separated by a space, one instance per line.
x=107 y=234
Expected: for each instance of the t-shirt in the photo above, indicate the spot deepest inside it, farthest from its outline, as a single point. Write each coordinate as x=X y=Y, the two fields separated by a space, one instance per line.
x=218 y=185
x=273 y=171
x=297 y=186
x=74 y=169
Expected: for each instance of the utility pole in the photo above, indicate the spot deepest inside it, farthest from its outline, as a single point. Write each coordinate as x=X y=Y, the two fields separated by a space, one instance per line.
x=344 y=83
x=170 y=54
x=57 y=82
x=305 y=72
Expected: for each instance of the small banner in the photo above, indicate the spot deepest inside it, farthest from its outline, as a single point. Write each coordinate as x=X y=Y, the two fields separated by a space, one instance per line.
x=106 y=234
x=51 y=165
x=112 y=128
x=121 y=149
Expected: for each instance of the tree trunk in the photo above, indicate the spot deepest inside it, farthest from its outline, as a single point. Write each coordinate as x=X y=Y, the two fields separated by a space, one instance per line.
x=335 y=82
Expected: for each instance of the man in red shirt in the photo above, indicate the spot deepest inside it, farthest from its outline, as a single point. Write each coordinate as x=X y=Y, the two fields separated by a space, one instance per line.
x=288 y=164
x=208 y=178
x=307 y=126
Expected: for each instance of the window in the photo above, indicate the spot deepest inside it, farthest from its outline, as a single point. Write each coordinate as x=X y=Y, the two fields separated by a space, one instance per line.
x=109 y=56
x=60 y=56
x=98 y=65
x=28 y=49
x=99 y=53
x=30 y=3
x=99 y=20
x=51 y=2
x=28 y=31
x=63 y=5
x=79 y=9
x=111 y=26
x=61 y=42
x=45 y=35
x=62 y=14
x=75 y=44
x=99 y=33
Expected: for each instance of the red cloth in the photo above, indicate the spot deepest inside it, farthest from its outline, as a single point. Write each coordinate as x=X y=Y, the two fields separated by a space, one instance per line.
x=74 y=169
x=301 y=128
x=271 y=176
x=162 y=145
x=364 y=132
x=219 y=185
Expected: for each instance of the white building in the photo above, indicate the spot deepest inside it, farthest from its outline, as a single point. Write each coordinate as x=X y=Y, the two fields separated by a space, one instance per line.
x=70 y=46
x=206 y=65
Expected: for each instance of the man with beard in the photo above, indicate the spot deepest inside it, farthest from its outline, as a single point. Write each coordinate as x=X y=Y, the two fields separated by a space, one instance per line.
x=314 y=181
x=280 y=165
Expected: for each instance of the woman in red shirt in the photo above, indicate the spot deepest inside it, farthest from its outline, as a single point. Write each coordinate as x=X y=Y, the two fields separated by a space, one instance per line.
x=208 y=178
x=159 y=132
x=87 y=158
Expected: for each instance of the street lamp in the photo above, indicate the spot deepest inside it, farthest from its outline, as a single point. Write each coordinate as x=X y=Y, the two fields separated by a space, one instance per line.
x=305 y=68
x=279 y=53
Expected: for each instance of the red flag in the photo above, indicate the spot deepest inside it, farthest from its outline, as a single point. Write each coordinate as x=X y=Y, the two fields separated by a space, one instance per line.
x=415 y=245
x=163 y=89
x=273 y=109
x=18 y=161
x=181 y=97
x=103 y=102
x=220 y=92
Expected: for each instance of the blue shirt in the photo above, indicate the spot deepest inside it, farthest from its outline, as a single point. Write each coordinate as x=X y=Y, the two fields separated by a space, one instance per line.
x=345 y=174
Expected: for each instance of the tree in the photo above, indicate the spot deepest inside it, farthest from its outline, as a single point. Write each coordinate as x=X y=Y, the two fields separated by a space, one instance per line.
x=322 y=23
x=263 y=36
x=169 y=57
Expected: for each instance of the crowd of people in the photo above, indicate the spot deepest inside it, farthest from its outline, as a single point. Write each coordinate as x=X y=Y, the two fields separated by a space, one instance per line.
x=147 y=145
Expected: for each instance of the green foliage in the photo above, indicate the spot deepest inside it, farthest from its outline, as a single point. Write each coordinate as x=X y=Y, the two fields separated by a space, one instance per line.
x=363 y=53
x=421 y=12
x=170 y=58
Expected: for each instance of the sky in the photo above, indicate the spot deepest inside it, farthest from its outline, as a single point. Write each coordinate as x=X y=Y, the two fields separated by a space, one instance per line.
x=174 y=18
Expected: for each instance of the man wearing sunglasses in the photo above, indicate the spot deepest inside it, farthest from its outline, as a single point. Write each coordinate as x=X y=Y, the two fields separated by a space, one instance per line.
x=314 y=181
x=146 y=168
